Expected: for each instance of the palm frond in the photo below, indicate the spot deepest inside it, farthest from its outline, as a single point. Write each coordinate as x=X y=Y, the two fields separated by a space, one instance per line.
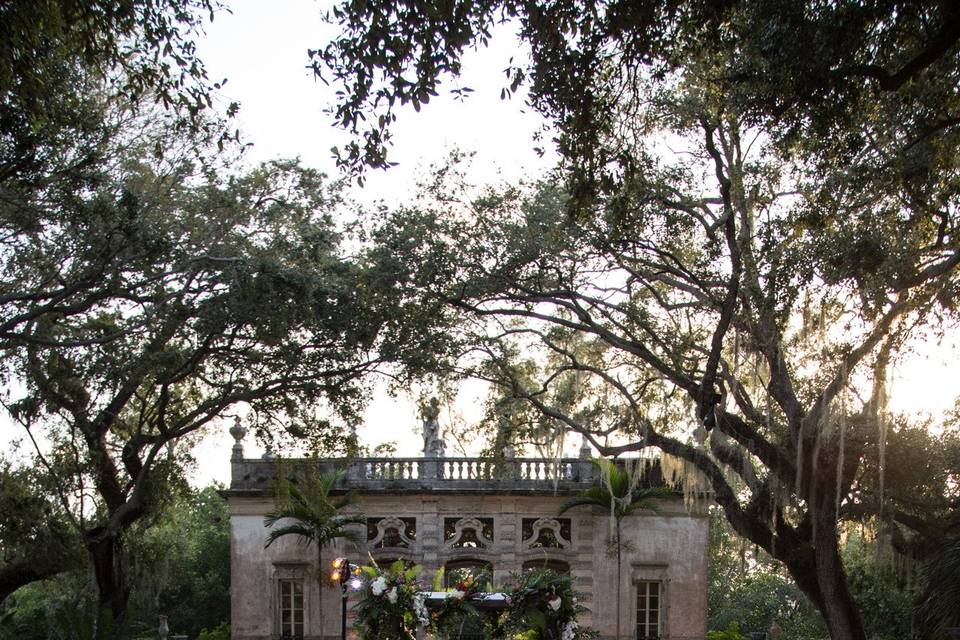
x=613 y=491
x=583 y=501
x=313 y=514
x=646 y=499
x=306 y=534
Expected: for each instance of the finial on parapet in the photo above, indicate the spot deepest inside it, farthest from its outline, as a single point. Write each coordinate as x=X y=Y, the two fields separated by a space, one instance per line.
x=433 y=445
x=585 y=451
x=238 y=431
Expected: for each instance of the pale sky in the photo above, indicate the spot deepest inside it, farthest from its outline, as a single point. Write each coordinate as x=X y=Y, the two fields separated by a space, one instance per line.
x=262 y=49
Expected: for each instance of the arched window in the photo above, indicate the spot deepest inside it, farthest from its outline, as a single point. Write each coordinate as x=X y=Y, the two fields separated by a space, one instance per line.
x=468 y=533
x=391 y=532
x=557 y=566
x=456 y=571
x=546 y=533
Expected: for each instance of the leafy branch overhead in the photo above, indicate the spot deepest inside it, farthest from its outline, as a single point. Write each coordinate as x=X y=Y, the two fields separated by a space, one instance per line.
x=740 y=243
x=165 y=293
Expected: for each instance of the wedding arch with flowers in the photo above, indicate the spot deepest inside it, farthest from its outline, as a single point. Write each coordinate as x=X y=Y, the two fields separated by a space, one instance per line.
x=540 y=605
x=392 y=604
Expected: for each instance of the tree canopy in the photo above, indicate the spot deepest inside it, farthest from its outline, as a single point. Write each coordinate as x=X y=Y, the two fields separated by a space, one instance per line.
x=165 y=298
x=150 y=286
x=756 y=211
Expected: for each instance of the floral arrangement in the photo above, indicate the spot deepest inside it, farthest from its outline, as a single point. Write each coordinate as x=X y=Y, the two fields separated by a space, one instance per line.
x=392 y=605
x=543 y=606
x=466 y=583
x=456 y=614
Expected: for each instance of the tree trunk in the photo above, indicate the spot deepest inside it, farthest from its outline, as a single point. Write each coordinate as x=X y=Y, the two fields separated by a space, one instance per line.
x=104 y=548
x=619 y=578
x=818 y=572
x=837 y=605
x=320 y=576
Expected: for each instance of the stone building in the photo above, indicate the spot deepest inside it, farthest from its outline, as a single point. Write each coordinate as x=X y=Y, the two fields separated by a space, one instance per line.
x=500 y=515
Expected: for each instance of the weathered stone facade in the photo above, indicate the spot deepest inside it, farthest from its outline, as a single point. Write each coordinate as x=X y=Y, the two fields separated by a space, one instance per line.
x=440 y=511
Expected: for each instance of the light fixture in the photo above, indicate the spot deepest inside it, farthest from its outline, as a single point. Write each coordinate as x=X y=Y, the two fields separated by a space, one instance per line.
x=355 y=583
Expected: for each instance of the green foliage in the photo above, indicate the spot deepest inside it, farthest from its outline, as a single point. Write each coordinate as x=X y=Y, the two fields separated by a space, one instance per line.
x=83 y=623
x=939 y=602
x=542 y=602
x=747 y=588
x=37 y=539
x=456 y=615
x=618 y=492
x=23 y=616
x=243 y=295
x=222 y=632
x=732 y=632
x=391 y=604
x=756 y=599
x=54 y=51
x=180 y=567
x=314 y=509
x=884 y=593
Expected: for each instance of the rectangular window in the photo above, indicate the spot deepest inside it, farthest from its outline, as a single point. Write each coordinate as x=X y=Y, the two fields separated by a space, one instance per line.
x=648 y=610
x=291 y=609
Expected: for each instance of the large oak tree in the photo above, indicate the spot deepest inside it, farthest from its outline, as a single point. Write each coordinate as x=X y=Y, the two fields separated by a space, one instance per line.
x=149 y=288
x=757 y=210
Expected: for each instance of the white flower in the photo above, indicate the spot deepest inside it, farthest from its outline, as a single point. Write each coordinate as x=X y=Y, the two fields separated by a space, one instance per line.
x=555 y=603
x=378 y=586
x=457 y=595
x=569 y=630
x=392 y=595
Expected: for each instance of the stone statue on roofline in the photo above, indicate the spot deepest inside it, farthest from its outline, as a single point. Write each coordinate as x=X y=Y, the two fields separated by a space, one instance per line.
x=433 y=445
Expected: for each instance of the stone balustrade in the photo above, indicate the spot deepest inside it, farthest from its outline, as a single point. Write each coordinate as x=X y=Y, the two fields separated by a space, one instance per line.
x=410 y=475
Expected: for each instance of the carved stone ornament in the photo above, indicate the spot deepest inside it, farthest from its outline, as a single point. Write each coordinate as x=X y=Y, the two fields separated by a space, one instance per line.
x=238 y=431
x=469 y=529
x=550 y=524
x=399 y=528
x=433 y=445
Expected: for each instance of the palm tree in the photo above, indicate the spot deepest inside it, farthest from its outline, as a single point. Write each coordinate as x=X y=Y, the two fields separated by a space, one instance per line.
x=619 y=496
x=314 y=515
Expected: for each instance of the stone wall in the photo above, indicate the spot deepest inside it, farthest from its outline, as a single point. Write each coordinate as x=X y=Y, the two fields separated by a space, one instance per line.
x=668 y=546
